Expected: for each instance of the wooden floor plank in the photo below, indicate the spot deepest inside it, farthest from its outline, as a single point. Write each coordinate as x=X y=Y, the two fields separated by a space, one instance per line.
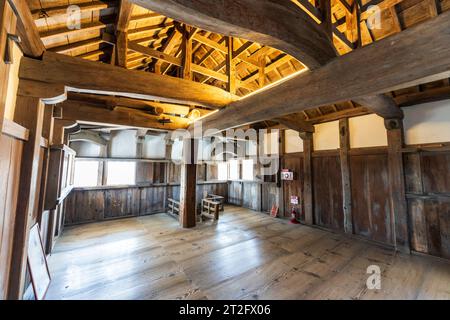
x=244 y=255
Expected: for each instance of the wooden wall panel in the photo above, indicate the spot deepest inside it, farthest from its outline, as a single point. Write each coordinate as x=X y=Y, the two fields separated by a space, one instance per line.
x=84 y=205
x=235 y=193
x=370 y=197
x=269 y=196
x=251 y=195
x=327 y=186
x=436 y=172
x=430 y=225
x=121 y=203
x=295 y=187
x=10 y=159
x=152 y=200
x=427 y=178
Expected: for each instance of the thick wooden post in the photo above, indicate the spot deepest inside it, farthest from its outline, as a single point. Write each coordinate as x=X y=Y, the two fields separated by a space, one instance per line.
x=397 y=184
x=187 y=54
x=188 y=182
x=344 y=139
x=307 y=138
x=29 y=113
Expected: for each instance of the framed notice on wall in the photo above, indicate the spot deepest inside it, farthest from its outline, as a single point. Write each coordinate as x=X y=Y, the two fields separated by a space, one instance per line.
x=37 y=264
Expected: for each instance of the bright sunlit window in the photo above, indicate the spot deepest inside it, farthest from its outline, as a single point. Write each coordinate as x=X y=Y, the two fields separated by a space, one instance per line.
x=234 y=170
x=85 y=174
x=121 y=173
x=222 y=171
x=247 y=169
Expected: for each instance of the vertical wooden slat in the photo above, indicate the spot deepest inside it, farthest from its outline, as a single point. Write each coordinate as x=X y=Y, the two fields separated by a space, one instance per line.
x=29 y=113
x=344 y=141
x=307 y=176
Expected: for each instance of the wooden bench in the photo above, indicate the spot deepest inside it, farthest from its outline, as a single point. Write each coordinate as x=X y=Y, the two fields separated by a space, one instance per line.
x=210 y=209
x=173 y=208
x=215 y=198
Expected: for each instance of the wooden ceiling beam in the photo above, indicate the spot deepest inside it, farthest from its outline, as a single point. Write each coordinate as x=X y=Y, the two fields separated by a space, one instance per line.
x=134 y=33
x=306 y=41
x=77 y=45
x=294 y=122
x=268 y=68
x=111 y=101
x=122 y=23
x=86 y=113
x=98 y=25
x=82 y=75
x=431 y=95
x=413 y=59
x=40 y=15
x=31 y=42
x=155 y=54
x=124 y=16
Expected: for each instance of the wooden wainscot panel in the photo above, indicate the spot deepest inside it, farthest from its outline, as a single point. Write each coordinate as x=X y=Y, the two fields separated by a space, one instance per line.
x=152 y=200
x=427 y=175
x=430 y=225
x=10 y=159
x=235 y=193
x=121 y=203
x=251 y=195
x=84 y=206
x=327 y=185
x=370 y=197
x=269 y=196
x=436 y=172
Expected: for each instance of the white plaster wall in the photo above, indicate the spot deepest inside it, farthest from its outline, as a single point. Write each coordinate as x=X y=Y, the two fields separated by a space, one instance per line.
x=251 y=148
x=88 y=149
x=123 y=144
x=177 y=150
x=326 y=136
x=204 y=149
x=154 y=147
x=367 y=131
x=427 y=123
x=292 y=142
x=271 y=143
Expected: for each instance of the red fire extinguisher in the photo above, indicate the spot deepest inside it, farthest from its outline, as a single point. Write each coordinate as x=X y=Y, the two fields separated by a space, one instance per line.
x=294 y=216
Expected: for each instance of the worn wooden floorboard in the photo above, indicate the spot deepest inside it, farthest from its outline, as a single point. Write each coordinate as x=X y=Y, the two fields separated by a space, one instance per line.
x=246 y=255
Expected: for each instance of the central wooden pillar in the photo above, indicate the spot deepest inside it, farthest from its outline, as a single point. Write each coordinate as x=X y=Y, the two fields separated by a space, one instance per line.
x=188 y=181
